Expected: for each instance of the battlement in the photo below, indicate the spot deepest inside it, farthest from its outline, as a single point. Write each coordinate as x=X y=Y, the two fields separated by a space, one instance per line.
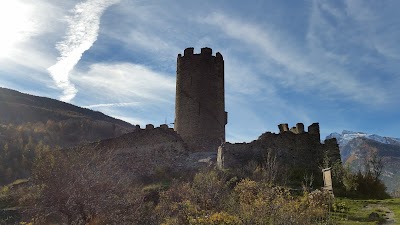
x=314 y=128
x=205 y=52
x=188 y=51
x=152 y=127
x=299 y=128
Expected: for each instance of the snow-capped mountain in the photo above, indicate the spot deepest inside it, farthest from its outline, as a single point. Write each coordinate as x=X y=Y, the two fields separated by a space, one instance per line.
x=356 y=146
x=346 y=136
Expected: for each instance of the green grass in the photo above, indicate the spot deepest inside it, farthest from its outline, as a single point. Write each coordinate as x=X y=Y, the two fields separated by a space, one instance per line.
x=358 y=211
x=394 y=205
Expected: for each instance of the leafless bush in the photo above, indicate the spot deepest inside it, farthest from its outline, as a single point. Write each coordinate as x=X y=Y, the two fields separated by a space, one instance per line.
x=308 y=182
x=81 y=186
x=268 y=171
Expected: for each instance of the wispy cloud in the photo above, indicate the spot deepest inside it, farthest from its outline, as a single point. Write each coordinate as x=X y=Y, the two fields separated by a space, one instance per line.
x=150 y=42
x=127 y=91
x=253 y=85
x=82 y=33
x=131 y=120
x=107 y=105
x=379 y=28
x=293 y=66
x=126 y=82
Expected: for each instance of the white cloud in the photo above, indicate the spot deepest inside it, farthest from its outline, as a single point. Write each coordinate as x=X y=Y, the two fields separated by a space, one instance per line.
x=82 y=33
x=22 y=24
x=17 y=24
x=126 y=82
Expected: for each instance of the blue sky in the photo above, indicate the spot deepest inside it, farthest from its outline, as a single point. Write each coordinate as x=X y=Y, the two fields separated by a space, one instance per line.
x=333 y=62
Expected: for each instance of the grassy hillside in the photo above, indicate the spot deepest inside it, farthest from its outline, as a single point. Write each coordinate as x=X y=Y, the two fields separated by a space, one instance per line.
x=350 y=211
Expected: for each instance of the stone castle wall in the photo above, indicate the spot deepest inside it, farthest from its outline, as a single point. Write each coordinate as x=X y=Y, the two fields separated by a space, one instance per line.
x=144 y=151
x=200 y=116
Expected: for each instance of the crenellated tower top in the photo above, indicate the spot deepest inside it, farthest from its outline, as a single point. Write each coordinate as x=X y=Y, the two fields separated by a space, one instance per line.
x=189 y=52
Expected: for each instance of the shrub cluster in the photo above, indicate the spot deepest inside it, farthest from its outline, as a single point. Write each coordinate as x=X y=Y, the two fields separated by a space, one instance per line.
x=213 y=199
x=88 y=187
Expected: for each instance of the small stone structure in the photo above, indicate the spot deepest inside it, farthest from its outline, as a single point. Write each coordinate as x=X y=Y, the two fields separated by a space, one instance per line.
x=149 y=127
x=144 y=151
x=220 y=157
x=327 y=179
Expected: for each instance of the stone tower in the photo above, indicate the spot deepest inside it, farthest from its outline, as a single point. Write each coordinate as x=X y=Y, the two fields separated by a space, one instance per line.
x=200 y=116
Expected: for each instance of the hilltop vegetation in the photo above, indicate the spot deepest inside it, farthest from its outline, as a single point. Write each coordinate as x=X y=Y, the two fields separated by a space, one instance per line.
x=87 y=187
x=83 y=186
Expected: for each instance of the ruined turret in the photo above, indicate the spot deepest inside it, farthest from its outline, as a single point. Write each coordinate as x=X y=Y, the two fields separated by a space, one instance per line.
x=200 y=116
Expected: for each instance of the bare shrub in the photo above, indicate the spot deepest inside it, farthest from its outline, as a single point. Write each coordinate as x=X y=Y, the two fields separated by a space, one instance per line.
x=269 y=170
x=81 y=186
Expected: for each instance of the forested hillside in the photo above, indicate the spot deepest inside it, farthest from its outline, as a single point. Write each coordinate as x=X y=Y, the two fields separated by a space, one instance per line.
x=29 y=124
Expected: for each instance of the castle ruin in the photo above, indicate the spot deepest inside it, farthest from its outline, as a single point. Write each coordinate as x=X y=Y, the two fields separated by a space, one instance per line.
x=198 y=137
x=200 y=120
x=297 y=151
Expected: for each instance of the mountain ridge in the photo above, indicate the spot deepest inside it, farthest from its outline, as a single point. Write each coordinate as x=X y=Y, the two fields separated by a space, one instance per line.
x=15 y=99
x=347 y=136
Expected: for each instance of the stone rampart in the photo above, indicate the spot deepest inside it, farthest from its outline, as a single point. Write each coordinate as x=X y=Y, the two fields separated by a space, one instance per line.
x=299 y=153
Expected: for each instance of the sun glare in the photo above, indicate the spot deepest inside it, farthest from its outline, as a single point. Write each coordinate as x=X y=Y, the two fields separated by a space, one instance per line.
x=16 y=25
